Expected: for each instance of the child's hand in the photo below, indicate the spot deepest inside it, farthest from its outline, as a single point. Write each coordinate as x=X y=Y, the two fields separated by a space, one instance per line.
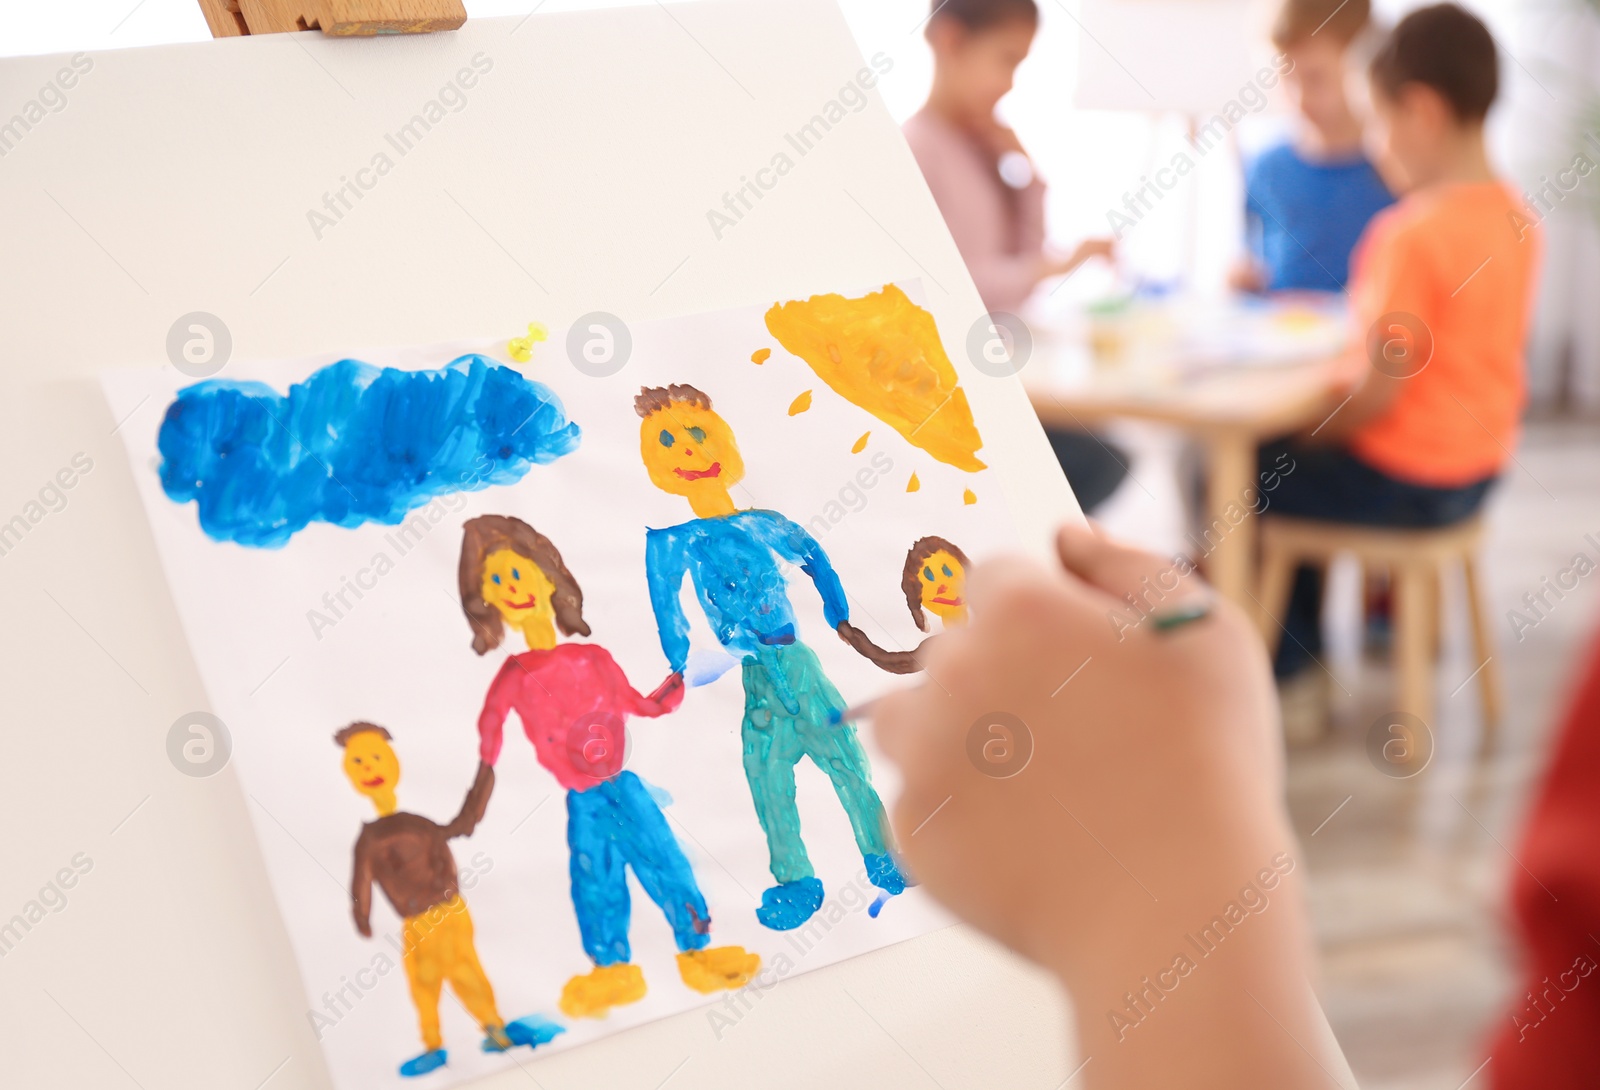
x=1089 y=789
x=1154 y=742
x=1246 y=276
x=1094 y=247
x=1088 y=248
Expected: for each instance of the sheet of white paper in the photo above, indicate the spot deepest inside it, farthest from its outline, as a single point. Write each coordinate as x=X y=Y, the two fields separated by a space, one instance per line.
x=366 y=623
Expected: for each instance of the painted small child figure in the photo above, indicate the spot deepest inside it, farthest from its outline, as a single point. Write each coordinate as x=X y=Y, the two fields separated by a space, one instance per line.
x=934 y=579
x=409 y=857
x=574 y=701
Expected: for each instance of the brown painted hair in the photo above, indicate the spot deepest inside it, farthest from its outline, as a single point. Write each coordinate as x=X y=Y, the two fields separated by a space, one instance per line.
x=342 y=738
x=653 y=399
x=489 y=533
x=1448 y=49
x=1299 y=20
x=911 y=576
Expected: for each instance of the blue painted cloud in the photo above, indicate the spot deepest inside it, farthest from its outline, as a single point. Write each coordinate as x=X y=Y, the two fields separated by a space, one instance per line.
x=353 y=444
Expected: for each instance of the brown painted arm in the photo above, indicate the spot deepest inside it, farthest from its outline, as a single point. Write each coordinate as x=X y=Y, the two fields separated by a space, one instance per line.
x=474 y=805
x=895 y=662
x=361 y=887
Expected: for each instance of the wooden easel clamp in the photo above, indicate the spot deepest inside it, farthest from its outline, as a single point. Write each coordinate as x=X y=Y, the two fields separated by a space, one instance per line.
x=336 y=18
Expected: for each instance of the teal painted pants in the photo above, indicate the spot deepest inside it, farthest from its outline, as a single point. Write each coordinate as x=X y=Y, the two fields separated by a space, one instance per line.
x=788 y=705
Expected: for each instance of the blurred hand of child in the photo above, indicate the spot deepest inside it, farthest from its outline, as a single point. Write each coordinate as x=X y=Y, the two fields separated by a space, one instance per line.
x=1094 y=247
x=1151 y=797
x=1088 y=248
x=1159 y=741
x=1246 y=276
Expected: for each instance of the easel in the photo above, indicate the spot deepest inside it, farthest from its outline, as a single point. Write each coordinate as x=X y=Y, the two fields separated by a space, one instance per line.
x=335 y=18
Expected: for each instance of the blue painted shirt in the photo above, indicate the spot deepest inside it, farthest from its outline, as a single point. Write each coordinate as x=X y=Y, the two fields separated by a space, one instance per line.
x=732 y=560
x=1305 y=217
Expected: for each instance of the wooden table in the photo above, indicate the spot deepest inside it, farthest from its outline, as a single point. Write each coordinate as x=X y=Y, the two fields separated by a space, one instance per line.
x=1230 y=410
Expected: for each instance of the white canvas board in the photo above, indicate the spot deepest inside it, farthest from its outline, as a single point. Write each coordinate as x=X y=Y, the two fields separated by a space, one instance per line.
x=578 y=176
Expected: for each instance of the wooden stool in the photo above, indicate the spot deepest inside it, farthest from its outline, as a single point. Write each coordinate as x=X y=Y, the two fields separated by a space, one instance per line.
x=1417 y=558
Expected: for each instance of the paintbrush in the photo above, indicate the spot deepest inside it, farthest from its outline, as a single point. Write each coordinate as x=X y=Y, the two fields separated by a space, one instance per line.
x=1165 y=622
x=855 y=713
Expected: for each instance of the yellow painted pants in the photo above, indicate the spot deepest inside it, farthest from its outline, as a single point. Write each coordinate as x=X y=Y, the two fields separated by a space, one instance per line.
x=438 y=947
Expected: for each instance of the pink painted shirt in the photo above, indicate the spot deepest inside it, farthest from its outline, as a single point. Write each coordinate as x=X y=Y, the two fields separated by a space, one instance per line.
x=574 y=702
x=999 y=230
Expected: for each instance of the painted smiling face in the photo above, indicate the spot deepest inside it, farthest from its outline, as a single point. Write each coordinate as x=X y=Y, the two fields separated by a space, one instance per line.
x=373 y=768
x=690 y=451
x=522 y=592
x=944 y=588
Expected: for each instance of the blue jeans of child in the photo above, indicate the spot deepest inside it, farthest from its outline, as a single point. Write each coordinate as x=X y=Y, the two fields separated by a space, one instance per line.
x=1332 y=484
x=614 y=825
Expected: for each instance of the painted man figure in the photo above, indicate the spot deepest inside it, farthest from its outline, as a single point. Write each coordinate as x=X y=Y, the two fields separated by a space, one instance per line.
x=791 y=710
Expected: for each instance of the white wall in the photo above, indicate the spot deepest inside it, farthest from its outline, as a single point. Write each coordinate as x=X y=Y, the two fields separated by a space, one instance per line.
x=1090 y=158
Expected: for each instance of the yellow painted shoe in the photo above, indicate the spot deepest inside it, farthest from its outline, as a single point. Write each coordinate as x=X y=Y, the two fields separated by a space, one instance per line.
x=720 y=968
x=592 y=994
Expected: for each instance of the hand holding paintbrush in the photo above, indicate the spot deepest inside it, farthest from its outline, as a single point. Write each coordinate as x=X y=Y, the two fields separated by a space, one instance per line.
x=1090 y=792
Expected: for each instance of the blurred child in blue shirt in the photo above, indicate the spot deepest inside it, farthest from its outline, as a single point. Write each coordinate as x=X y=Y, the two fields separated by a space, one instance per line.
x=1307 y=201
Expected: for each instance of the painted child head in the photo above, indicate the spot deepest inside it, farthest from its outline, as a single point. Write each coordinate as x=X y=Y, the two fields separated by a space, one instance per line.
x=510 y=573
x=687 y=448
x=1433 y=81
x=370 y=763
x=977 y=46
x=935 y=581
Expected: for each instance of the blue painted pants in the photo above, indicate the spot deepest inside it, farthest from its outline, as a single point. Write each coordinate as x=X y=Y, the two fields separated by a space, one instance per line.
x=789 y=708
x=615 y=825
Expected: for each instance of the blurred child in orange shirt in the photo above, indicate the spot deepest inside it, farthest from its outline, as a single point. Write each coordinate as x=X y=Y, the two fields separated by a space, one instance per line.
x=1188 y=787
x=1441 y=293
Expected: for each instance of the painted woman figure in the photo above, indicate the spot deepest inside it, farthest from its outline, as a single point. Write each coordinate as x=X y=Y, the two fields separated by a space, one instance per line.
x=934 y=579
x=574 y=702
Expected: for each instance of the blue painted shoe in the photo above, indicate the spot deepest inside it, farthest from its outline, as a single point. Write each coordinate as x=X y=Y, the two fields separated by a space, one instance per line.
x=533 y=1031
x=421 y=1065
x=495 y=1039
x=786 y=906
x=883 y=873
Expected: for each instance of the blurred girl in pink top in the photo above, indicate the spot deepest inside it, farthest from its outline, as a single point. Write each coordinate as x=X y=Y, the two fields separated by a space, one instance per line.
x=986 y=187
